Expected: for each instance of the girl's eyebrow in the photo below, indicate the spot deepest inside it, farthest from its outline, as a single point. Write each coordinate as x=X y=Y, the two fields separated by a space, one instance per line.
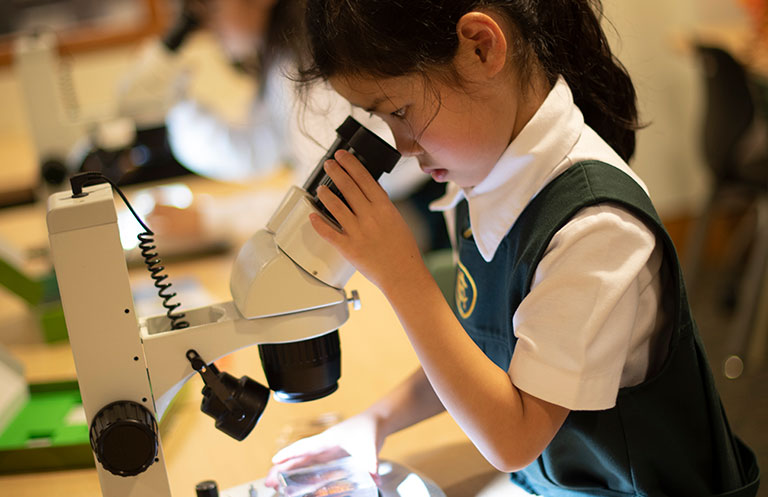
x=375 y=104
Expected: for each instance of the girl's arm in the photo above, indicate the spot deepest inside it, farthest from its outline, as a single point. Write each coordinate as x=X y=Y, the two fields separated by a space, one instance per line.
x=508 y=426
x=412 y=401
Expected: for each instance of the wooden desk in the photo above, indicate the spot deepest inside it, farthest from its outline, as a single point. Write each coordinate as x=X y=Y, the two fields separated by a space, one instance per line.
x=376 y=356
x=18 y=167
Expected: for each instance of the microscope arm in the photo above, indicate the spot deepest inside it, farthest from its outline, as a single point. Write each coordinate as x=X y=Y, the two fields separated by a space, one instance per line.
x=101 y=322
x=224 y=331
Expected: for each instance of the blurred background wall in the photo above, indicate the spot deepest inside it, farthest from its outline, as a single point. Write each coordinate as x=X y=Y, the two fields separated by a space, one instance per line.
x=650 y=37
x=647 y=35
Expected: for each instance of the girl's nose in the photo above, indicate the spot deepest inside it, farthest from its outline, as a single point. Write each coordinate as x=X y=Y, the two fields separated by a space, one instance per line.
x=406 y=145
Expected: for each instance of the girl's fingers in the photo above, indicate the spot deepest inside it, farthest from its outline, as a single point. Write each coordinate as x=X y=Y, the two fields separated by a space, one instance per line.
x=319 y=456
x=347 y=186
x=325 y=230
x=335 y=206
x=305 y=447
x=360 y=175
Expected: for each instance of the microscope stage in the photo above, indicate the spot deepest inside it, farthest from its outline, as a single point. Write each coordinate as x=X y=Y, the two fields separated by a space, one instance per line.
x=396 y=481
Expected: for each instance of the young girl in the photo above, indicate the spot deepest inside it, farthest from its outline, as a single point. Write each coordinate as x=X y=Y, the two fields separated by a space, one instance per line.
x=571 y=360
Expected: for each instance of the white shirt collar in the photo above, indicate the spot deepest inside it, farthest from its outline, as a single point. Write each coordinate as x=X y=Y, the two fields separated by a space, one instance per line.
x=523 y=169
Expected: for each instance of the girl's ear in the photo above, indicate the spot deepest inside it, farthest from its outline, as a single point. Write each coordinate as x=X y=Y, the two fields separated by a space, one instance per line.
x=482 y=50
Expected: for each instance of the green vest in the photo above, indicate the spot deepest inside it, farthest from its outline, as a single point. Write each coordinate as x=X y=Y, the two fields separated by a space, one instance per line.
x=666 y=436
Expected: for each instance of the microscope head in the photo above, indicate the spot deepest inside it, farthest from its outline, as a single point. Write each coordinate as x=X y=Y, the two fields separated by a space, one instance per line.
x=288 y=266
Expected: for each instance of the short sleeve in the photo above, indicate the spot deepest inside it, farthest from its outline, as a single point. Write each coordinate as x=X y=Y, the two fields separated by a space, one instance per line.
x=577 y=326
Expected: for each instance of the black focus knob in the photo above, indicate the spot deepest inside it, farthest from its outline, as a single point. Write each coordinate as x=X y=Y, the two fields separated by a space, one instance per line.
x=124 y=438
x=207 y=488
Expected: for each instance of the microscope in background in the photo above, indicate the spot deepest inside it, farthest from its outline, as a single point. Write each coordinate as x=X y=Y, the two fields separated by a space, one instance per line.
x=127 y=144
x=287 y=297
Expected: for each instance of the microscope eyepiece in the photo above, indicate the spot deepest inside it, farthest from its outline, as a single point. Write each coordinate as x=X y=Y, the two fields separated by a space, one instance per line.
x=374 y=153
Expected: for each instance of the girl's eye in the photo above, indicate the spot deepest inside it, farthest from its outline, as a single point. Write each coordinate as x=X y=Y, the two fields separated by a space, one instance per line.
x=399 y=113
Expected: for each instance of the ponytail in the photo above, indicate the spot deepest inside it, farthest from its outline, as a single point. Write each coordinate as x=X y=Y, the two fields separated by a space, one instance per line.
x=569 y=41
x=377 y=37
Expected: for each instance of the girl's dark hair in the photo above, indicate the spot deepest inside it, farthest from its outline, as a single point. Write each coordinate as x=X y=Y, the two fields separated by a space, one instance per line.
x=389 y=38
x=282 y=39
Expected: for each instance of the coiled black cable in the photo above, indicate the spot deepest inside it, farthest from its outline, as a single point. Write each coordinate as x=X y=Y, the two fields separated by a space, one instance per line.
x=146 y=244
x=151 y=259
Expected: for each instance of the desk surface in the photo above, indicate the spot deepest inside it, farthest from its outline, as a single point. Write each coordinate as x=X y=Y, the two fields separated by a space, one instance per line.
x=18 y=169
x=376 y=356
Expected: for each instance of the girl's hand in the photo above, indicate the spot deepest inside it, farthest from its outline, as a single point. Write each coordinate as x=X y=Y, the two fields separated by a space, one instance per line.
x=359 y=437
x=374 y=236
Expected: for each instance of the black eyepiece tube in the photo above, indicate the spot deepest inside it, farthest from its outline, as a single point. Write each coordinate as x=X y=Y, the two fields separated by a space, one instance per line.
x=374 y=153
x=344 y=133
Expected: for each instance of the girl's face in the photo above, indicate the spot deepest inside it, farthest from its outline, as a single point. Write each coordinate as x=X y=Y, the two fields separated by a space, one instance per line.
x=457 y=132
x=455 y=135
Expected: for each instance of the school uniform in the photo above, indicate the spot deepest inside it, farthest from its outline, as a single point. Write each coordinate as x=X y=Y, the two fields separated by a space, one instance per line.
x=567 y=280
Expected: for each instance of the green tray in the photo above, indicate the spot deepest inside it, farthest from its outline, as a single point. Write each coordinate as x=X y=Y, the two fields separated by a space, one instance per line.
x=47 y=433
x=50 y=432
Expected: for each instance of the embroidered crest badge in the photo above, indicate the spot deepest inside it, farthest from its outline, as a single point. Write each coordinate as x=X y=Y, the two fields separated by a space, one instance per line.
x=466 y=292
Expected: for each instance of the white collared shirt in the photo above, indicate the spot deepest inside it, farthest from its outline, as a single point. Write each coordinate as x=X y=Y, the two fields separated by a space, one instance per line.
x=591 y=322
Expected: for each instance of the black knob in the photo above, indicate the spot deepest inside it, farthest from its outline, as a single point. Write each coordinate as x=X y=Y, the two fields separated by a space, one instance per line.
x=207 y=488
x=124 y=438
x=248 y=401
x=53 y=171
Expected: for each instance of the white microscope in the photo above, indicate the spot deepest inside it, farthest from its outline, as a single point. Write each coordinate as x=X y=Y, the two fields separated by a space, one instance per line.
x=287 y=296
